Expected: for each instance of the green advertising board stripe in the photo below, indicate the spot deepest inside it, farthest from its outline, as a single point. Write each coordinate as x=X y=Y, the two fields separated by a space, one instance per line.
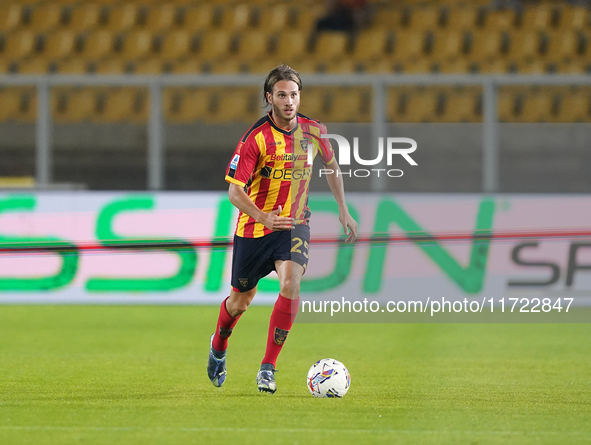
x=66 y=251
x=108 y=238
x=470 y=278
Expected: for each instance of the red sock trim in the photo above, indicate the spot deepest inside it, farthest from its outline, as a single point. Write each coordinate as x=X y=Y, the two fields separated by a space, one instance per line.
x=287 y=305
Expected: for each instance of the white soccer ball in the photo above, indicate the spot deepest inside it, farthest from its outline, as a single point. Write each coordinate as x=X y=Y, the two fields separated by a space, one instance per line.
x=328 y=378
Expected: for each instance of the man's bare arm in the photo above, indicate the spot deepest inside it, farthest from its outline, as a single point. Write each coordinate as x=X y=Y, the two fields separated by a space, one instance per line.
x=335 y=182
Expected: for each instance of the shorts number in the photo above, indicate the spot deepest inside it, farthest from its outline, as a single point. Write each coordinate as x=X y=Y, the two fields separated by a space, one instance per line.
x=298 y=244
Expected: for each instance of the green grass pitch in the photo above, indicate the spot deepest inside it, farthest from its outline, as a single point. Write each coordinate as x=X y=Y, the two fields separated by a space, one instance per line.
x=136 y=374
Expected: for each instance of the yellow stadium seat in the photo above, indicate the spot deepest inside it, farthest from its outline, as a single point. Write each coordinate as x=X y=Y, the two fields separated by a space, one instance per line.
x=122 y=17
x=493 y=66
x=538 y=106
x=536 y=18
x=423 y=19
x=5 y=66
x=139 y=3
x=236 y=17
x=330 y=46
x=123 y=105
x=412 y=105
x=371 y=44
x=225 y=66
x=307 y=15
x=409 y=45
x=575 y=106
x=106 y=2
x=525 y=45
x=573 y=18
x=152 y=65
x=35 y=65
x=187 y=66
x=251 y=2
x=73 y=104
x=113 y=66
x=456 y=66
x=351 y=105
x=45 y=17
x=510 y=104
x=447 y=45
x=292 y=44
x=302 y=66
x=462 y=18
x=264 y=66
x=389 y=19
x=379 y=66
x=485 y=45
x=59 y=44
x=274 y=17
x=186 y=105
x=534 y=66
x=160 y=18
x=461 y=105
x=501 y=20
x=198 y=18
x=136 y=44
x=574 y=67
x=315 y=103
x=74 y=65
x=253 y=45
x=562 y=46
x=97 y=45
x=18 y=104
x=176 y=44
x=18 y=45
x=214 y=44
x=237 y=105
x=10 y=16
x=84 y=17
x=340 y=66
x=418 y=66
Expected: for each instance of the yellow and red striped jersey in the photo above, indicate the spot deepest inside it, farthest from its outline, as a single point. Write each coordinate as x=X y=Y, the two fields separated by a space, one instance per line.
x=271 y=164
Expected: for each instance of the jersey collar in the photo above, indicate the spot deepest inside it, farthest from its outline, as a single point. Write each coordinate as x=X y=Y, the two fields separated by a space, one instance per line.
x=281 y=130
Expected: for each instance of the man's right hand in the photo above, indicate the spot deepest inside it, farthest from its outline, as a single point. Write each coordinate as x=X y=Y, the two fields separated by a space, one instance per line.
x=273 y=221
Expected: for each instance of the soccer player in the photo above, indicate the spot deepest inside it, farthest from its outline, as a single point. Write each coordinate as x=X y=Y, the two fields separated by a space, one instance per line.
x=269 y=179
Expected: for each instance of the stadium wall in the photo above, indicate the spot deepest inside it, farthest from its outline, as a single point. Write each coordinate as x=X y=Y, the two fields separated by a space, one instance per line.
x=171 y=247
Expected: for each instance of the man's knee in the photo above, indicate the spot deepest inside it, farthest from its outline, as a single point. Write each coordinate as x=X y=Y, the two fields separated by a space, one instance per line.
x=237 y=308
x=238 y=302
x=290 y=288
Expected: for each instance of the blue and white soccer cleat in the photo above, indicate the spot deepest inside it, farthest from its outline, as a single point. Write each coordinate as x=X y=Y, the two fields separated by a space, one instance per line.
x=266 y=379
x=216 y=365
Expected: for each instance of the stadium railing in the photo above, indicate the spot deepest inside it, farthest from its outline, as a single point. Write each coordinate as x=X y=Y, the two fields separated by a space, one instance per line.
x=379 y=83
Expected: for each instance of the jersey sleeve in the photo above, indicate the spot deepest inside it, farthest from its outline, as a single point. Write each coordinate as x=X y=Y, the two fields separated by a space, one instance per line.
x=243 y=162
x=325 y=150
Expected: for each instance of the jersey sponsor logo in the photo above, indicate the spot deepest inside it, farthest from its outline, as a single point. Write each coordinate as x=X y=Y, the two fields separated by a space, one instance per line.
x=288 y=157
x=280 y=336
x=287 y=174
x=234 y=163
